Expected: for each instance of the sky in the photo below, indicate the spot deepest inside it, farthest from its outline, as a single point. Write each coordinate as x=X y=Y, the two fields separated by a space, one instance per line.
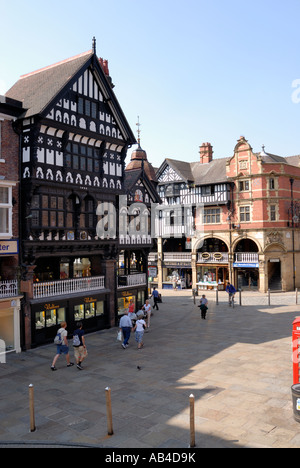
x=194 y=71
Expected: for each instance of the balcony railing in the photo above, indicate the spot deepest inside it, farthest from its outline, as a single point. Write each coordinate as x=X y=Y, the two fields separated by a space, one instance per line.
x=140 y=240
x=68 y=286
x=9 y=288
x=246 y=257
x=132 y=280
x=177 y=257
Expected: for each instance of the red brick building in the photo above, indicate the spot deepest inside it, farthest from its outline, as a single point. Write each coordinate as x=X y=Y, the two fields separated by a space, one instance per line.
x=9 y=226
x=247 y=229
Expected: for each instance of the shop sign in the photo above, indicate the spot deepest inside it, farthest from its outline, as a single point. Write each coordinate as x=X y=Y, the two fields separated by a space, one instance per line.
x=152 y=271
x=246 y=265
x=50 y=306
x=89 y=300
x=9 y=247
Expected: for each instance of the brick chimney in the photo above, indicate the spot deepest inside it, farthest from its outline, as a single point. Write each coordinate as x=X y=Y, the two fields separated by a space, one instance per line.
x=206 y=153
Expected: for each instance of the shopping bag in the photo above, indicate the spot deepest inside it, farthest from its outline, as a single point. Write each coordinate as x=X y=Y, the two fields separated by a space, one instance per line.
x=120 y=336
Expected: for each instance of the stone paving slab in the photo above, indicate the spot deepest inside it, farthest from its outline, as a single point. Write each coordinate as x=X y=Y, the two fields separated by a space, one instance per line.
x=237 y=363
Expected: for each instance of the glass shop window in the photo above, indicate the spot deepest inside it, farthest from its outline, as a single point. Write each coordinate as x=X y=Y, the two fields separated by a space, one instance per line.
x=49 y=318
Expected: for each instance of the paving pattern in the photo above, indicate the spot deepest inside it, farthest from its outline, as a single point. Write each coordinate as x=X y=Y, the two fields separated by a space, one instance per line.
x=237 y=363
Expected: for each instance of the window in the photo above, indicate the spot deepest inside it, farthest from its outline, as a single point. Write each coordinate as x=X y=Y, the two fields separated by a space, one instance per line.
x=208 y=190
x=273 y=212
x=5 y=210
x=52 y=211
x=271 y=184
x=244 y=185
x=49 y=318
x=244 y=214
x=82 y=157
x=212 y=215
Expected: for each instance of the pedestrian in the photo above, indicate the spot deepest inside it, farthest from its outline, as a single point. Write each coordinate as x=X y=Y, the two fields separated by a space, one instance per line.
x=203 y=306
x=139 y=329
x=155 y=295
x=230 y=289
x=147 y=309
x=80 y=351
x=62 y=347
x=126 y=327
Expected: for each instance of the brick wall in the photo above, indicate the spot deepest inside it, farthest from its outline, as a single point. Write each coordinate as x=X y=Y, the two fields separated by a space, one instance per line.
x=9 y=165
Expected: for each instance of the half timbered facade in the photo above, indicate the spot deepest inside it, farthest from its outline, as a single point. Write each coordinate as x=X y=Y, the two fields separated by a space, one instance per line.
x=74 y=141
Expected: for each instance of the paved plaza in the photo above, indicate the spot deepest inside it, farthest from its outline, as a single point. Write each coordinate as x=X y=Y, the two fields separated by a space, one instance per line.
x=237 y=363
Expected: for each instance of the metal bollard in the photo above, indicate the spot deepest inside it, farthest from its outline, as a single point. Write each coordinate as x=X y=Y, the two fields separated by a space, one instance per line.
x=269 y=297
x=31 y=408
x=217 y=297
x=110 y=430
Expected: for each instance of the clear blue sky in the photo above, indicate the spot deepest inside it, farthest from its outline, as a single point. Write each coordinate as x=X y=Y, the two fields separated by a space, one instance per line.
x=193 y=70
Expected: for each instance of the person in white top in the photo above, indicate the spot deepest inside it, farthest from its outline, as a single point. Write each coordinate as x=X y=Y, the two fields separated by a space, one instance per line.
x=147 y=309
x=139 y=332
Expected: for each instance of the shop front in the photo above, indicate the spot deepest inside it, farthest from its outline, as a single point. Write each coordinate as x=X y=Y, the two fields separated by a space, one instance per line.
x=246 y=275
x=47 y=316
x=133 y=299
x=212 y=276
x=10 y=325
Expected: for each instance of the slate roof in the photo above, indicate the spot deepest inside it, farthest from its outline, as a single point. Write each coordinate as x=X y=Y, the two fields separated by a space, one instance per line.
x=37 y=89
x=198 y=173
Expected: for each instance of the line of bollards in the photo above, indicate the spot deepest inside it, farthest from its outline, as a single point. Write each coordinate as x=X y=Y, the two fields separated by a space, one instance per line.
x=110 y=430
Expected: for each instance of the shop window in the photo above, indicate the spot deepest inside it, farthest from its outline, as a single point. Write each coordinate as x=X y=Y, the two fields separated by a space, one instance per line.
x=99 y=308
x=127 y=302
x=88 y=310
x=141 y=299
x=49 y=318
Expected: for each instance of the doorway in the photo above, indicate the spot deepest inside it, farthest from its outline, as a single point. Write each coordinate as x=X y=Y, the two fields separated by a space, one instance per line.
x=274 y=274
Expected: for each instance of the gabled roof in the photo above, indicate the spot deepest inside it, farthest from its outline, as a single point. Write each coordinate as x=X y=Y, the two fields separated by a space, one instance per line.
x=133 y=176
x=196 y=172
x=182 y=168
x=39 y=89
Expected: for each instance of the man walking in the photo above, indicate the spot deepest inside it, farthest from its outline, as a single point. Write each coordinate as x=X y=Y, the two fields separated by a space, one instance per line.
x=126 y=326
x=62 y=347
x=203 y=306
x=155 y=295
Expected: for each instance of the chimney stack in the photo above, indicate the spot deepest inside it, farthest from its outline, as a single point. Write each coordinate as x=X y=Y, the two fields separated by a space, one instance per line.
x=206 y=153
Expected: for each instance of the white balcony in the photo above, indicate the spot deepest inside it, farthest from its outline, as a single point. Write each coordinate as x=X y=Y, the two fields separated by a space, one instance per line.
x=9 y=288
x=246 y=257
x=68 y=286
x=139 y=279
x=177 y=257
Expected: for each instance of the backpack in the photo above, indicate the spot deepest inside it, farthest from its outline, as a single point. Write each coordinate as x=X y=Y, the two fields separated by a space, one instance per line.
x=76 y=340
x=57 y=339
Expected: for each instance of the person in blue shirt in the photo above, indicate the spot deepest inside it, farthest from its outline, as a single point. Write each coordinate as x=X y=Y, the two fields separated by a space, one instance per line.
x=230 y=289
x=155 y=295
